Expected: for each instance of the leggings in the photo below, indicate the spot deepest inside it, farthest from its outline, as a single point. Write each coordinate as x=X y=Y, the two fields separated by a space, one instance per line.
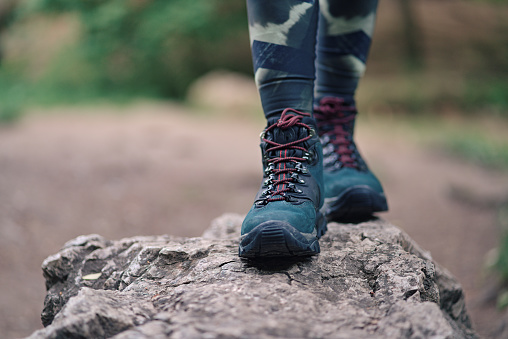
x=298 y=42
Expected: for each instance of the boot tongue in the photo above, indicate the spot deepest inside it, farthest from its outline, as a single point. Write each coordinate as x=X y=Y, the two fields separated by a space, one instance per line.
x=287 y=135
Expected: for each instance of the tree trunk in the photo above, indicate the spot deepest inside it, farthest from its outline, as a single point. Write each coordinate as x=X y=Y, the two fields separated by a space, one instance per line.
x=6 y=9
x=413 y=43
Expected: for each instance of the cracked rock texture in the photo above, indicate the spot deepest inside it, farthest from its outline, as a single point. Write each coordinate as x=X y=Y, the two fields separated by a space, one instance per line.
x=370 y=281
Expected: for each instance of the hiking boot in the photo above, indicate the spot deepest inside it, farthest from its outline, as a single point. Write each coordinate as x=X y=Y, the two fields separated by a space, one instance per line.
x=352 y=191
x=285 y=220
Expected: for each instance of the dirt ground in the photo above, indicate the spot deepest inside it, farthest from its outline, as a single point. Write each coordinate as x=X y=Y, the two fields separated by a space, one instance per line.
x=160 y=168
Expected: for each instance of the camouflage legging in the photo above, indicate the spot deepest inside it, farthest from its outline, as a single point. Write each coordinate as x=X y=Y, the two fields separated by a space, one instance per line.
x=283 y=37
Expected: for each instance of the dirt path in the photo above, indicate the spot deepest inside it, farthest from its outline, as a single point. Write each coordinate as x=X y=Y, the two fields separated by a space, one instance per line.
x=160 y=169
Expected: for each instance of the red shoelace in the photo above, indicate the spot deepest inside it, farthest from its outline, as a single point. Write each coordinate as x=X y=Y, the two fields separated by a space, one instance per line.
x=332 y=116
x=283 y=176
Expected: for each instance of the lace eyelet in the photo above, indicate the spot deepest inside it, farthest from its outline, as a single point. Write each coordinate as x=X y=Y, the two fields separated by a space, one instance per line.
x=269 y=181
x=295 y=177
x=310 y=156
x=294 y=188
x=261 y=202
x=269 y=169
x=301 y=169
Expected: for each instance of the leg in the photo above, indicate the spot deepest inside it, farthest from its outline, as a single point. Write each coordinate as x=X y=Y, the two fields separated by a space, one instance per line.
x=283 y=39
x=345 y=33
x=285 y=219
x=352 y=192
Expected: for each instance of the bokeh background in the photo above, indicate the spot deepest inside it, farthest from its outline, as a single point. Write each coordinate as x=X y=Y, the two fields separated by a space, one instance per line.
x=140 y=117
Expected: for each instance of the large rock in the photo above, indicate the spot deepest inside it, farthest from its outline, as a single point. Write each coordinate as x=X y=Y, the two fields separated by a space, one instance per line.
x=370 y=281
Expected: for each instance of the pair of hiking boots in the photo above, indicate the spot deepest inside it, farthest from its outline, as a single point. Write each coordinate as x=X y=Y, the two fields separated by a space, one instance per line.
x=313 y=173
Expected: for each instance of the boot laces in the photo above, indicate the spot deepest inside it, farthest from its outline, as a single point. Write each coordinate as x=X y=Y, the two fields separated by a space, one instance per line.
x=334 y=121
x=285 y=160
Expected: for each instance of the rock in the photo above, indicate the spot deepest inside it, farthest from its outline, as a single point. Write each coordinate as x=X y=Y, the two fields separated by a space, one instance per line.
x=370 y=281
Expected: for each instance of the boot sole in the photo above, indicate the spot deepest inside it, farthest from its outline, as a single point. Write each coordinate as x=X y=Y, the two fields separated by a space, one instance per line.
x=279 y=239
x=357 y=203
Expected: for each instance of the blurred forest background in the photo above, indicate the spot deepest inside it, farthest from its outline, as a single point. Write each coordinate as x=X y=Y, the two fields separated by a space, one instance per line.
x=440 y=57
x=438 y=72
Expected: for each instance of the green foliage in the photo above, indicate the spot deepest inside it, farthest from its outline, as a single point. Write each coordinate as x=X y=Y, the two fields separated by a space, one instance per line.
x=486 y=93
x=9 y=114
x=501 y=264
x=502 y=300
x=479 y=149
x=486 y=87
x=143 y=47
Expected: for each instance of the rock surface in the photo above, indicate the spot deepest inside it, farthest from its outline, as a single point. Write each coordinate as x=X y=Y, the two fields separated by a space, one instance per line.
x=370 y=281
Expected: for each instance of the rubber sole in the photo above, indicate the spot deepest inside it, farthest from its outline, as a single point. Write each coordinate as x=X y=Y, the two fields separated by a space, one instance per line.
x=355 y=204
x=279 y=239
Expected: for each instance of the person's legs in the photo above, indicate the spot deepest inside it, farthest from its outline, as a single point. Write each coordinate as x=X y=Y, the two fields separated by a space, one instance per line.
x=345 y=30
x=345 y=33
x=283 y=40
x=285 y=219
